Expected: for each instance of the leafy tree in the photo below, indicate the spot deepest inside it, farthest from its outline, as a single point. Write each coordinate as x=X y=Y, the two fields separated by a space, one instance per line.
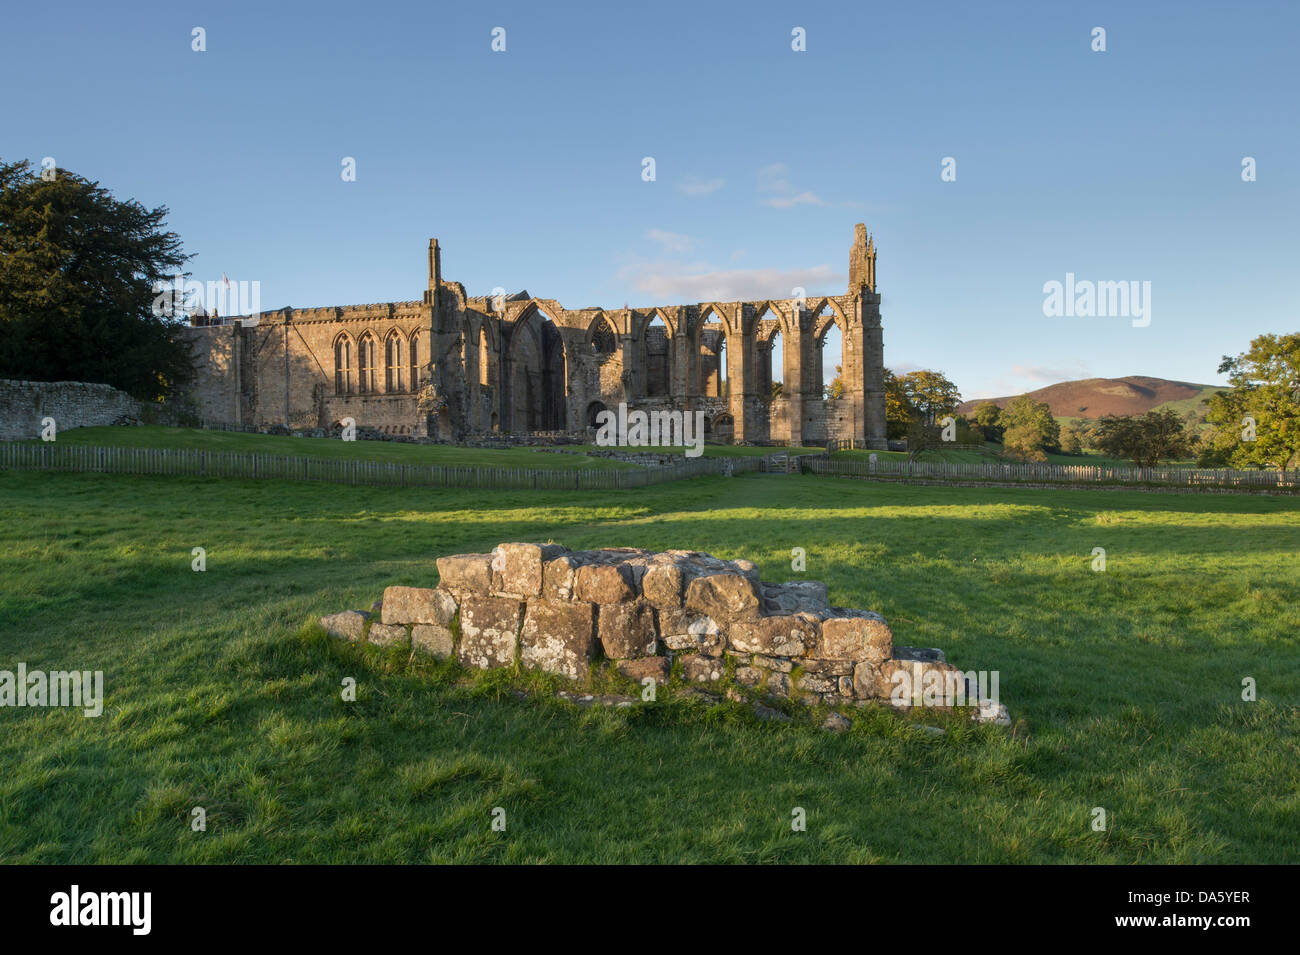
x=1147 y=439
x=836 y=388
x=77 y=275
x=1072 y=438
x=931 y=394
x=777 y=388
x=988 y=418
x=1031 y=430
x=1257 y=423
x=899 y=412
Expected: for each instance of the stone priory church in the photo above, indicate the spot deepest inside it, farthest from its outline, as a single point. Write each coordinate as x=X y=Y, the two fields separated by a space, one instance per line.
x=451 y=367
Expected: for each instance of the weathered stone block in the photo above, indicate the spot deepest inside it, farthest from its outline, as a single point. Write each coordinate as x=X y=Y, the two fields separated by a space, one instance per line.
x=811 y=683
x=348 y=625
x=434 y=640
x=388 y=634
x=662 y=586
x=723 y=597
x=683 y=630
x=749 y=676
x=466 y=574
x=867 y=682
x=855 y=635
x=796 y=596
x=489 y=632
x=517 y=568
x=697 y=668
x=923 y=654
x=784 y=636
x=828 y=668
x=604 y=584
x=559 y=576
x=776 y=664
x=418 y=605
x=627 y=630
x=557 y=637
x=655 y=668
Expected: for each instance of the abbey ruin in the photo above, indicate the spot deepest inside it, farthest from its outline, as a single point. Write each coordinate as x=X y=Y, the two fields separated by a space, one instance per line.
x=452 y=366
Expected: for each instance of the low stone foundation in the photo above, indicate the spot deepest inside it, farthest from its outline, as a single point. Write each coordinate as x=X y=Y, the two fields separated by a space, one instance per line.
x=675 y=615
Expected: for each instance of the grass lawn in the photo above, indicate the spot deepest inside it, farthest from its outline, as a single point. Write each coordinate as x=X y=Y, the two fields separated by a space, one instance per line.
x=967 y=456
x=1125 y=685
x=154 y=436
x=574 y=456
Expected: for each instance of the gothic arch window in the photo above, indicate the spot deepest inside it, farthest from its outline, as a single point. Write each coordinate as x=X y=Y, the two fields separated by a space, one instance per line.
x=367 y=364
x=602 y=337
x=343 y=365
x=656 y=356
x=413 y=356
x=713 y=356
x=394 y=369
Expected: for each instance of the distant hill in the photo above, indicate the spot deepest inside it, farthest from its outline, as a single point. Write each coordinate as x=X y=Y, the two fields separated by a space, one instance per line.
x=1094 y=397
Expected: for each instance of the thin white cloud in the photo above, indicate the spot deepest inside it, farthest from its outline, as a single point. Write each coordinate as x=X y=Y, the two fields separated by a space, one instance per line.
x=1046 y=375
x=802 y=199
x=673 y=243
x=691 y=186
x=774 y=178
x=676 y=282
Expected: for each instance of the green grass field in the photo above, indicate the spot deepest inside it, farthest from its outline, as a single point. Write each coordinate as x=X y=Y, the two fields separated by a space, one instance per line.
x=1125 y=685
x=969 y=456
x=567 y=457
x=152 y=436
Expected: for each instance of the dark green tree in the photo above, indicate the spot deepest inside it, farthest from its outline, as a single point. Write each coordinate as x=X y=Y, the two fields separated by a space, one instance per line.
x=78 y=269
x=1146 y=439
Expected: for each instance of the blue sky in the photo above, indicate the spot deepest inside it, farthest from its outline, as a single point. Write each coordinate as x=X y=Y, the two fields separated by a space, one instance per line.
x=1116 y=166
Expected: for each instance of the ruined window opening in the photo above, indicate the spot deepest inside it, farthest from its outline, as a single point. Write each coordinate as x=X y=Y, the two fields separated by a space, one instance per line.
x=393 y=368
x=603 y=341
x=343 y=365
x=367 y=365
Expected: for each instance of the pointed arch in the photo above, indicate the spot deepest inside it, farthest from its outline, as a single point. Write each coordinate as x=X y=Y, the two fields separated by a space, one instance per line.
x=601 y=336
x=824 y=312
x=394 y=362
x=344 y=352
x=535 y=373
x=367 y=364
x=712 y=350
x=655 y=345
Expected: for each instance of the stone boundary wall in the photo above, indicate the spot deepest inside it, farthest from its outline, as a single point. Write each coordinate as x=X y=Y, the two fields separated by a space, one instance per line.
x=72 y=404
x=675 y=615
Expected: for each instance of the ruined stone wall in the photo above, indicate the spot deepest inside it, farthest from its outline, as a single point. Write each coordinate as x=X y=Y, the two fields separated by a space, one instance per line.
x=675 y=615
x=523 y=363
x=72 y=404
